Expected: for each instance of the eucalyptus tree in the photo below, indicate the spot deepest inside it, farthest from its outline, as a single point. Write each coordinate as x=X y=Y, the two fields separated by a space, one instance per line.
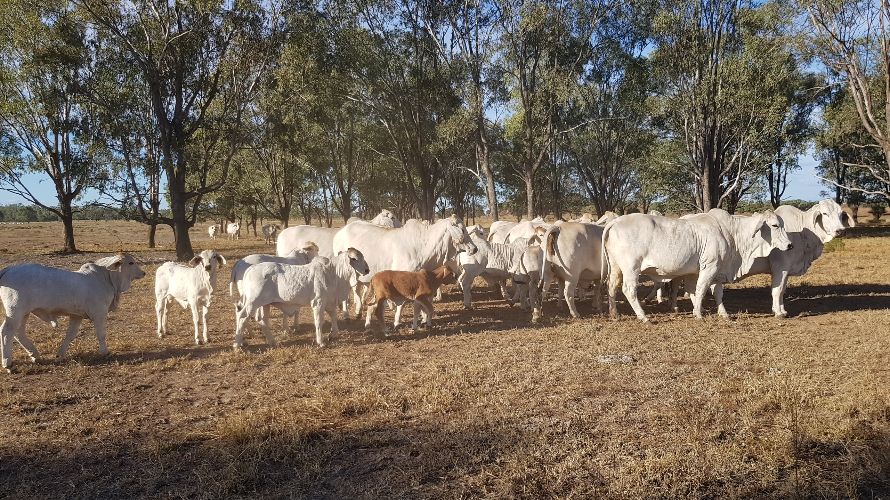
x=199 y=62
x=406 y=87
x=546 y=46
x=852 y=39
x=840 y=142
x=46 y=57
x=608 y=153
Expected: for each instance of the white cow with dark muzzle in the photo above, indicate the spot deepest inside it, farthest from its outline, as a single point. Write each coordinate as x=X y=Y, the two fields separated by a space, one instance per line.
x=710 y=249
x=808 y=231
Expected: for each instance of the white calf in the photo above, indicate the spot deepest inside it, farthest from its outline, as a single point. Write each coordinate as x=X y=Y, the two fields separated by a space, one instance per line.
x=322 y=284
x=192 y=287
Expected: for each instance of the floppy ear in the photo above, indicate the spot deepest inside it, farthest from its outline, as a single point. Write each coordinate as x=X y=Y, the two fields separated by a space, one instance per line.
x=195 y=260
x=760 y=220
x=220 y=258
x=817 y=220
x=116 y=263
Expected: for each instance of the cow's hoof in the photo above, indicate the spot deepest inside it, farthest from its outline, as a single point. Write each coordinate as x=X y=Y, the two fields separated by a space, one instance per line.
x=160 y=335
x=237 y=347
x=34 y=359
x=468 y=308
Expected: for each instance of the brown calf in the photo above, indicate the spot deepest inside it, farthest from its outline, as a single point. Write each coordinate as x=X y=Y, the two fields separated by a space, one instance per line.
x=403 y=286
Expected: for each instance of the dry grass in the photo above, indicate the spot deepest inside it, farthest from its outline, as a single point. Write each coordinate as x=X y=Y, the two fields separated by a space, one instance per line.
x=486 y=405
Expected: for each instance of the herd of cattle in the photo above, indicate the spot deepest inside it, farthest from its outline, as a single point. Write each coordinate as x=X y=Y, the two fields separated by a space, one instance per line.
x=381 y=262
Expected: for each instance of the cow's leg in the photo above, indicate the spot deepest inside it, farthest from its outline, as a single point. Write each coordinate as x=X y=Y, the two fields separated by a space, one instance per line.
x=372 y=308
x=99 y=324
x=357 y=298
x=70 y=334
x=717 y=292
x=267 y=329
x=161 y=310
x=438 y=297
x=335 y=328
x=196 y=319
x=318 y=317
x=629 y=287
x=398 y=317
x=7 y=333
x=779 y=282
x=598 y=296
x=675 y=290
x=466 y=284
x=381 y=305
x=296 y=317
x=426 y=307
x=241 y=318
x=656 y=286
x=705 y=278
x=517 y=296
x=568 y=292
x=415 y=306
x=205 y=308
x=25 y=342
x=614 y=283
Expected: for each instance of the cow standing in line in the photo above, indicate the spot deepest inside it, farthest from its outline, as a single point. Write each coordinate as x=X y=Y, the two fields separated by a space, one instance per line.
x=49 y=292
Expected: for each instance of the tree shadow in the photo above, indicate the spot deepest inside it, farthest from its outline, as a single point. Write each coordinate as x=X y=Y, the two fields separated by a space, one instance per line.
x=287 y=457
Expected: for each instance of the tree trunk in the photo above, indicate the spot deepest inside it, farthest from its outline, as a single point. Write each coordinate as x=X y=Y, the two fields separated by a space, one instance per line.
x=68 y=223
x=530 y=196
x=184 y=250
x=152 y=230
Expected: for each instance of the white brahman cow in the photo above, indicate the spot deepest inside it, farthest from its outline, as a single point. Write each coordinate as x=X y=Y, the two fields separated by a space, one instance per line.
x=808 y=231
x=572 y=253
x=707 y=249
x=414 y=246
x=322 y=284
x=493 y=262
x=190 y=285
x=233 y=229
x=214 y=231
x=49 y=292
x=270 y=232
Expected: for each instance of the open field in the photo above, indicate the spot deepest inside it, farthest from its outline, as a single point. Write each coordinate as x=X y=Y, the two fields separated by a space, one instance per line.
x=485 y=405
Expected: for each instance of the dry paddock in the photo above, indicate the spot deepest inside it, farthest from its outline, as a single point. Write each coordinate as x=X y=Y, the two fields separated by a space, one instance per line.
x=485 y=405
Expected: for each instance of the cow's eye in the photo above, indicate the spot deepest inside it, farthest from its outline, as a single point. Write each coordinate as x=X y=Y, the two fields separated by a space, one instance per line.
x=776 y=226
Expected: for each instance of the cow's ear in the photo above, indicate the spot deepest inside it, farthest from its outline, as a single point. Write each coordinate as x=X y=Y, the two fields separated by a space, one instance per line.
x=761 y=219
x=116 y=263
x=220 y=259
x=195 y=260
x=817 y=220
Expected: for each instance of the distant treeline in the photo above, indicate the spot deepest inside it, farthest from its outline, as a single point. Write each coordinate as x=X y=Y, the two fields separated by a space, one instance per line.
x=32 y=213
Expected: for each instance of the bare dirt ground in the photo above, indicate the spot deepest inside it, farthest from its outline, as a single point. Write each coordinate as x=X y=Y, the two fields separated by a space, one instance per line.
x=484 y=405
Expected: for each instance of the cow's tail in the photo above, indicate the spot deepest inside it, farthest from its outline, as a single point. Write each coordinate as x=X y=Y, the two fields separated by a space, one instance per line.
x=232 y=282
x=550 y=250
x=604 y=259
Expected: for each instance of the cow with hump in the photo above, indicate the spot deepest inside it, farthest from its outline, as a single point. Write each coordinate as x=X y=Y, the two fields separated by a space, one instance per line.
x=412 y=247
x=706 y=250
x=809 y=231
x=322 y=284
x=48 y=292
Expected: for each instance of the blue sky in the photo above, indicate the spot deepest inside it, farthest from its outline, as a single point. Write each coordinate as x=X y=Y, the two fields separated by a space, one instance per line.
x=803 y=184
